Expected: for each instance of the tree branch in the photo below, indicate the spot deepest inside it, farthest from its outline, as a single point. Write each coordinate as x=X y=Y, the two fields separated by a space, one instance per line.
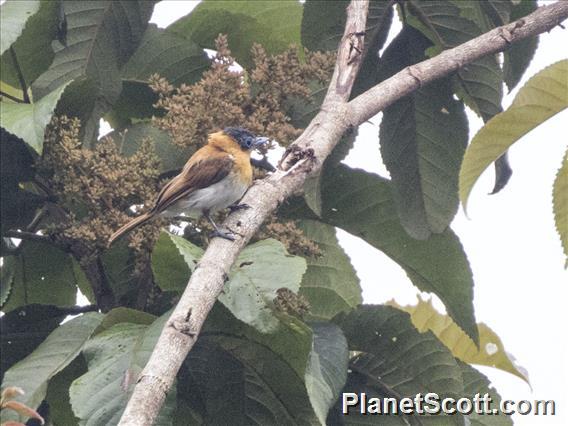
x=304 y=158
x=411 y=78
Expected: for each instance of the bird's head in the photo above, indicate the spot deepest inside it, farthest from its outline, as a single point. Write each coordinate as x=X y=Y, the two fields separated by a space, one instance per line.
x=247 y=140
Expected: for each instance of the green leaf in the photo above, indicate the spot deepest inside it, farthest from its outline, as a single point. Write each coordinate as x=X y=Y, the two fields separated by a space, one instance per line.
x=58 y=392
x=330 y=283
x=543 y=96
x=323 y=24
x=491 y=351
x=396 y=360
x=115 y=358
x=486 y=15
x=33 y=47
x=24 y=328
x=250 y=377
x=423 y=137
x=33 y=373
x=172 y=56
x=476 y=383
x=274 y=24
x=327 y=367
x=362 y=204
x=247 y=383
x=121 y=315
x=44 y=275
x=518 y=56
x=13 y=18
x=171 y=272
x=130 y=139
x=94 y=53
x=260 y=270
x=560 y=204
x=292 y=341
x=480 y=83
x=28 y=121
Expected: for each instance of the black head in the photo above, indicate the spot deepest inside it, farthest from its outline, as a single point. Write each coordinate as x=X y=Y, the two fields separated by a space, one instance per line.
x=247 y=140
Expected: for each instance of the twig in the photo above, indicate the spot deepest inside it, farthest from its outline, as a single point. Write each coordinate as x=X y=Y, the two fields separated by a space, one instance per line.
x=13 y=98
x=28 y=236
x=76 y=310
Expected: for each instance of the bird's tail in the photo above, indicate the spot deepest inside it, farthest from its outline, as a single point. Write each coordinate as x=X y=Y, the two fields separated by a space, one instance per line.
x=134 y=223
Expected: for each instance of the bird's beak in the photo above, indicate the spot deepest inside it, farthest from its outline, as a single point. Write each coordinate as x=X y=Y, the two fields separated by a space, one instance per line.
x=259 y=141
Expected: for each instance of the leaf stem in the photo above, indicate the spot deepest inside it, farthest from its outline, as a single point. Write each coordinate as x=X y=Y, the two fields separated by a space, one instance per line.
x=23 y=85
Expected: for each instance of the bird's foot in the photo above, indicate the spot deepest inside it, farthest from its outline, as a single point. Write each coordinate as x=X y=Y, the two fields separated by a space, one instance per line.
x=227 y=235
x=236 y=207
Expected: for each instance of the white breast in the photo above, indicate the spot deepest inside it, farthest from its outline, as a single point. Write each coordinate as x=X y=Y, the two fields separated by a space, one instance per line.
x=215 y=197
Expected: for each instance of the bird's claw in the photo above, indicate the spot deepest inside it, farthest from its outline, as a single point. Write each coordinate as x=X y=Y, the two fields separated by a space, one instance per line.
x=236 y=207
x=222 y=234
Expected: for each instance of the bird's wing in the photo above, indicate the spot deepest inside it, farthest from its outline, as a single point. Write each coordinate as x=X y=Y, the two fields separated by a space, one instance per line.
x=200 y=174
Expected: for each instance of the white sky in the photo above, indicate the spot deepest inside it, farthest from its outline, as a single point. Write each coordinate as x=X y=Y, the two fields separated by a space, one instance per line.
x=521 y=287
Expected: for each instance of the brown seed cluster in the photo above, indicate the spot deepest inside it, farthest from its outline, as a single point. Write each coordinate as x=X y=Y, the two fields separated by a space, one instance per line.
x=227 y=96
x=290 y=235
x=291 y=303
x=97 y=186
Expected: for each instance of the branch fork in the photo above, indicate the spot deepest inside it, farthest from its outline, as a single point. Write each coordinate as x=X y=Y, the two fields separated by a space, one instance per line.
x=336 y=116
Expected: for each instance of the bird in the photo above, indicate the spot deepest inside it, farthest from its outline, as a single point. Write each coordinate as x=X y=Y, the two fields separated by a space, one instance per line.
x=215 y=177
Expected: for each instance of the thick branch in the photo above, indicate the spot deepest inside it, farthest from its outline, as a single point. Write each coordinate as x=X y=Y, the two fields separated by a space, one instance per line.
x=305 y=157
x=411 y=78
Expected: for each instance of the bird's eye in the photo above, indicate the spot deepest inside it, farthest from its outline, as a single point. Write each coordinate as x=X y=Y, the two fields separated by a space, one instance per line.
x=248 y=142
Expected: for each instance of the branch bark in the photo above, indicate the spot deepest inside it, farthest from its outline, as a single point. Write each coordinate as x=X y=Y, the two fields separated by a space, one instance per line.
x=304 y=158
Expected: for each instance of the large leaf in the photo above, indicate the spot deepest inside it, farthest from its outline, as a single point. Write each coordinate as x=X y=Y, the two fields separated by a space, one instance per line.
x=543 y=96
x=236 y=372
x=327 y=367
x=23 y=329
x=241 y=382
x=260 y=270
x=130 y=139
x=172 y=56
x=115 y=358
x=516 y=58
x=362 y=204
x=480 y=83
x=28 y=121
x=13 y=18
x=491 y=351
x=560 y=204
x=43 y=275
x=396 y=360
x=95 y=50
x=33 y=373
x=33 y=48
x=170 y=271
x=330 y=283
x=423 y=137
x=58 y=392
x=292 y=341
x=274 y=24
x=476 y=383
